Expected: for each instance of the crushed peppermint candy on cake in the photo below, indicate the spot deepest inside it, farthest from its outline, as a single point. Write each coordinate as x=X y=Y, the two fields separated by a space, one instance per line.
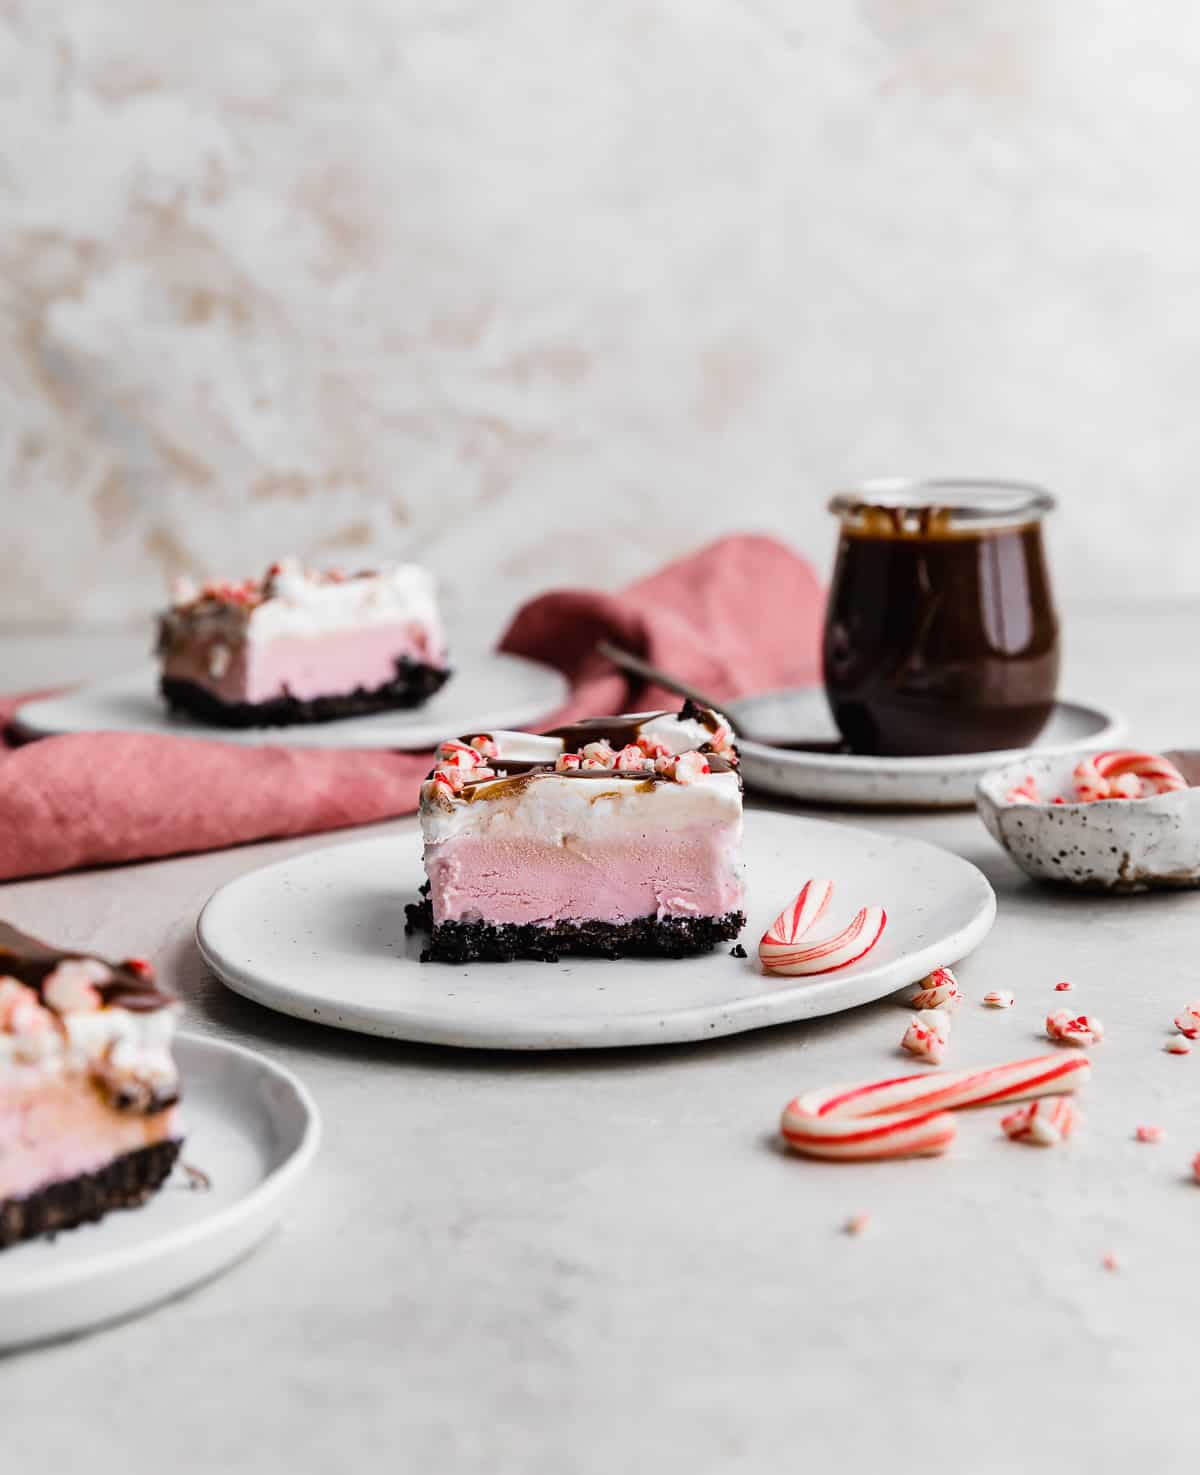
x=610 y=836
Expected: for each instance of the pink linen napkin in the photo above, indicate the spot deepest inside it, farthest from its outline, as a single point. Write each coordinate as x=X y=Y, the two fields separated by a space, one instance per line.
x=739 y=616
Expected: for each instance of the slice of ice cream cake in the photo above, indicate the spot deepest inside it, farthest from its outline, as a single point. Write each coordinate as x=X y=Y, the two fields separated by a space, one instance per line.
x=613 y=836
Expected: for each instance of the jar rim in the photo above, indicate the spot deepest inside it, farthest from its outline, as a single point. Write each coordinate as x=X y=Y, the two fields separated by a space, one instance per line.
x=964 y=498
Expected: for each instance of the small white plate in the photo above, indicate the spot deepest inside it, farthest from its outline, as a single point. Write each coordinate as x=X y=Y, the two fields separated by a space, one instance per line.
x=490 y=689
x=322 y=937
x=251 y=1127
x=802 y=715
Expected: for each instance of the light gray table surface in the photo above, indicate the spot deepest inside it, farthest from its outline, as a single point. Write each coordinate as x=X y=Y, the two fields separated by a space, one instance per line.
x=602 y=1262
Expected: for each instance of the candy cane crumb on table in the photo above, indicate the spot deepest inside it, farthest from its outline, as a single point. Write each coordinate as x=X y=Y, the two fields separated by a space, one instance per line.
x=999 y=999
x=1083 y=1030
x=928 y=1035
x=1187 y=1021
x=1110 y=1261
x=1196 y=1167
x=909 y=1116
x=938 y=990
x=1178 y=1045
x=1149 y=1134
x=1042 y=1123
x=856 y=1224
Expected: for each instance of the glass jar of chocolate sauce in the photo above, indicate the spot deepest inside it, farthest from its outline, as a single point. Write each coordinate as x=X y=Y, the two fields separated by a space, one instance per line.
x=941 y=635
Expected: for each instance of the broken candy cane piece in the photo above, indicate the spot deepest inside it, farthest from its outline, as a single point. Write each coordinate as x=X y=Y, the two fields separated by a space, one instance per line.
x=998 y=999
x=1026 y=792
x=1042 y=1123
x=909 y=1116
x=70 y=988
x=939 y=990
x=1149 y=1134
x=927 y=1035
x=1178 y=1045
x=1187 y=1021
x=782 y=951
x=1125 y=774
x=1083 y=1030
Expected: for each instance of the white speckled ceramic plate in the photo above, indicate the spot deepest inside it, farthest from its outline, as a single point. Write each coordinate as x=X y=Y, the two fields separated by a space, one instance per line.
x=322 y=937
x=489 y=689
x=881 y=783
x=1108 y=845
x=251 y=1127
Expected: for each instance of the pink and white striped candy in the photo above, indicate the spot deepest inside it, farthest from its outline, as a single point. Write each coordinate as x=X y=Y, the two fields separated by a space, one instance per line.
x=1178 y=1045
x=928 y=1035
x=781 y=949
x=1187 y=1021
x=1042 y=1123
x=1149 y=1134
x=1026 y=792
x=909 y=1116
x=1126 y=774
x=1084 y=1030
x=937 y=990
x=999 y=999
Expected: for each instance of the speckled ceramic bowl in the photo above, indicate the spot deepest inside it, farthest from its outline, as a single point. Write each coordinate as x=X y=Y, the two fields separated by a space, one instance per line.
x=1110 y=845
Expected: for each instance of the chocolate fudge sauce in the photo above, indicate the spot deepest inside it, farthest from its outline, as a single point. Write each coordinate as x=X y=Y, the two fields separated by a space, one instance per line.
x=941 y=635
x=31 y=961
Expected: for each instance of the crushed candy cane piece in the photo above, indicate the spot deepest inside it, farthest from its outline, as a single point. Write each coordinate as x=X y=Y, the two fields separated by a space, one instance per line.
x=928 y=1035
x=857 y=1223
x=1124 y=774
x=998 y=999
x=1196 y=1167
x=1178 y=1045
x=1062 y=988
x=937 y=990
x=1026 y=792
x=71 y=987
x=1149 y=1134
x=1043 y=1123
x=1187 y=1021
x=1110 y=1261
x=1083 y=1030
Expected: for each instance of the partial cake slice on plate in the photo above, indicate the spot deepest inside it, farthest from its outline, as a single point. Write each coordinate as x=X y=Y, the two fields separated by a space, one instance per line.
x=618 y=835
x=88 y=1120
x=302 y=646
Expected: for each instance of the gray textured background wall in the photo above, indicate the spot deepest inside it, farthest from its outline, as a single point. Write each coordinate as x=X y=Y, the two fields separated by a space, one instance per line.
x=548 y=290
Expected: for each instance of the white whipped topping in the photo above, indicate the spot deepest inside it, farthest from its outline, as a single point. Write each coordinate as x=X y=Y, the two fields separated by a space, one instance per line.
x=302 y=603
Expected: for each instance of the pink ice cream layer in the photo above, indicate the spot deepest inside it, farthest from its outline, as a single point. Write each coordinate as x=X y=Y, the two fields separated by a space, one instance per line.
x=308 y=666
x=59 y=1129
x=689 y=873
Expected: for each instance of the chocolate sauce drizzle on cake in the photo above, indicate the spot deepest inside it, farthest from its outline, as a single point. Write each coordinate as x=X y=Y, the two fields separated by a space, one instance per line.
x=617 y=732
x=31 y=962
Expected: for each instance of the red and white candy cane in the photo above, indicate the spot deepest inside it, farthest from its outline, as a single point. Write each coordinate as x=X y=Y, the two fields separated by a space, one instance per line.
x=781 y=951
x=909 y=1116
x=1125 y=774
